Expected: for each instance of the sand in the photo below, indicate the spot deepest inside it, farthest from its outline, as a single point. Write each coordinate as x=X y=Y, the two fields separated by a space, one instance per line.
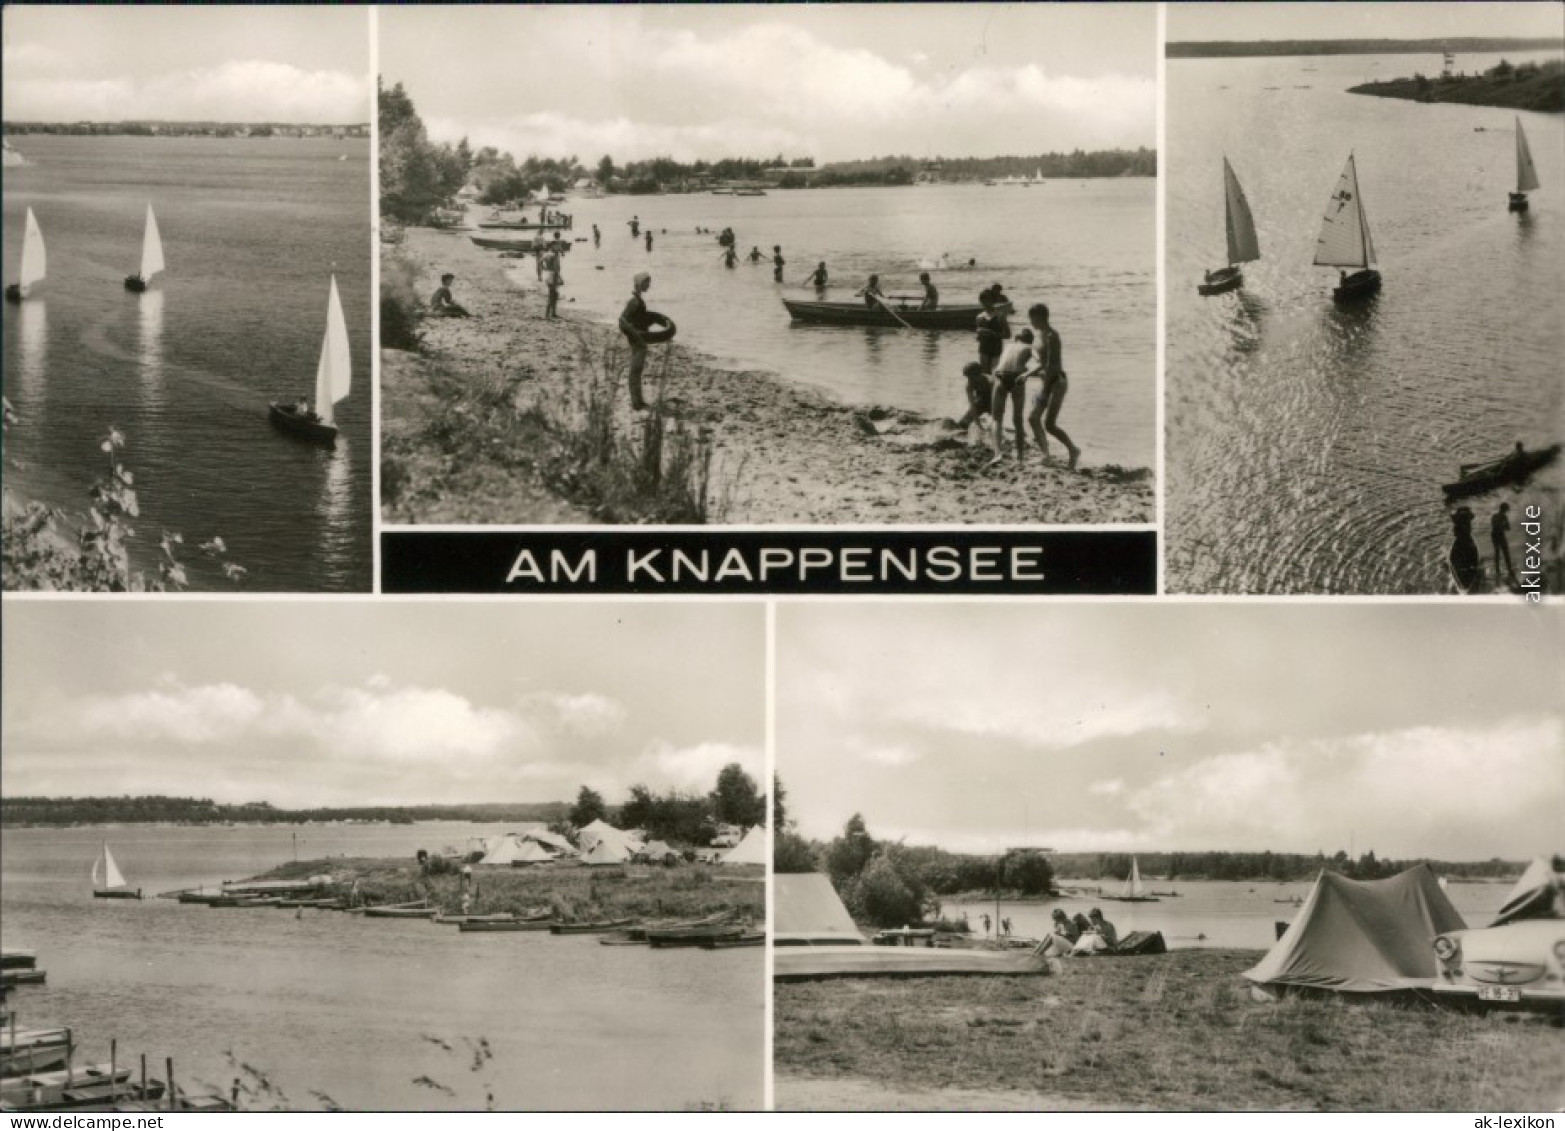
x=785 y=454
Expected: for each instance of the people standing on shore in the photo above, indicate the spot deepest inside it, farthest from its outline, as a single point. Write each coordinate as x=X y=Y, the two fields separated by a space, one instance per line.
x=993 y=330
x=777 y=263
x=553 y=280
x=873 y=298
x=633 y=324
x=1499 y=528
x=817 y=277
x=1045 y=415
x=1017 y=362
x=931 y=294
x=442 y=303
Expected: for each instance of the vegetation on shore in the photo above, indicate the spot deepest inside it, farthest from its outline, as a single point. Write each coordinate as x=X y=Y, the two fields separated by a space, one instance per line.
x=1524 y=86
x=569 y=892
x=1178 y=1031
x=1223 y=49
x=23 y=812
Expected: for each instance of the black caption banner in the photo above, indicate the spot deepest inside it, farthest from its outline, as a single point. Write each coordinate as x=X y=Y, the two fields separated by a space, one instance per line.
x=759 y=563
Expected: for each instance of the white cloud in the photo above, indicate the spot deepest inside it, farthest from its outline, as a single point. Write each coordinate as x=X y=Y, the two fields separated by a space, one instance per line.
x=695 y=767
x=583 y=713
x=1109 y=787
x=177 y=714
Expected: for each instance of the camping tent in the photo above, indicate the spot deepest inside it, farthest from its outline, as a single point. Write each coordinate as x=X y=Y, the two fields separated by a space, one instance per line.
x=605 y=853
x=657 y=850
x=1362 y=936
x=600 y=832
x=807 y=911
x=1539 y=894
x=513 y=849
x=751 y=848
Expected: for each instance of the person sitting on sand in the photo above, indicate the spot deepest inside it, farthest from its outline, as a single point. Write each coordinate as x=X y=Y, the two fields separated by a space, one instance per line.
x=777 y=262
x=633 y=324
x=1045 y=414
x=1016 y=364
x=873 y=298
x=441 y=303
x=931 y=295
x=1100 y=935
x=980 y=395
x=817 y=277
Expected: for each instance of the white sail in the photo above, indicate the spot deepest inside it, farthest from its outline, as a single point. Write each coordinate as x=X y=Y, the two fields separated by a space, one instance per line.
x=1133 y=881
x=34 y=261
x=1526 y=174
x=334 y=371
x=1243 y=247
x=1344 y=231
x=151 y=248
x=105 y=869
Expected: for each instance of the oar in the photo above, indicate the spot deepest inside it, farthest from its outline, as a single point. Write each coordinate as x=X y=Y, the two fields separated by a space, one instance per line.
x=886 y=307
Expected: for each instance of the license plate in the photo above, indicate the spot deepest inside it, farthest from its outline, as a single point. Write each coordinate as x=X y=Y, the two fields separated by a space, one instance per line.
x=1499 y=993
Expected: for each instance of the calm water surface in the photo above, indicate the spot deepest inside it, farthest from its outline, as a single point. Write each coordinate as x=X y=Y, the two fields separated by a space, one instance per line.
x=343 y=1006
x=1307 y=443
x=1087 y=248
x=252 y=231
x=1208 y=914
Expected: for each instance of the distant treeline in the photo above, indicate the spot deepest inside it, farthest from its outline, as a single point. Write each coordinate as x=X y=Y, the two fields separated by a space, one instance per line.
x=1077 y=163
x=1278 y=867
x=1222 y=49
x=22 y=812
x=186 y=129
x=1520 y=86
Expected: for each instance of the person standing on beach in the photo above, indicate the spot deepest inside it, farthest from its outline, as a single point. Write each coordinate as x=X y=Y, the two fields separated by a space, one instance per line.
x=777 y=262
x=538 y=253
x=931 y=295
x=993 y=329
x=649 y=239
x=635 y=226
x=1045 y=413
x=633 y=324
x=1499 y=528
x=597 y=236
x=552 y=280
x=1016 y=364
x=818 y=277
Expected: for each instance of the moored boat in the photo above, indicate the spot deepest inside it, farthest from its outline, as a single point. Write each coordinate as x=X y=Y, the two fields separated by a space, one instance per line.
x=693 y=936
x=1242 y=244
x=14 y=959
x=333 y=375
x=1512 y=468
x=26 y=1051
x=107 y=882
x=858 y=314
x=1526 y=172
x=418 y=909
x=151 y=256
x=506 y=925
x=1133 y=891
x=495 y=243
x=23 y=977
x=596 y=928
x=1345 y=240
x=747 y=938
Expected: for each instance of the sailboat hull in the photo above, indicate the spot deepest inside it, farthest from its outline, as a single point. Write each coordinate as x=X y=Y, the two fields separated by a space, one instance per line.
x=1221 y=281
x=13 y=293
x=1359 y=285
x=1518 y=202
x=117 y=893
x=135 y=283
x=285 y=419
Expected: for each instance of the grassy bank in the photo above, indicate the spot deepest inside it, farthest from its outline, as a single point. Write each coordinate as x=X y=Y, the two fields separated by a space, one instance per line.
x=1177 y=1031
x=571 y=892
x=1527 y=87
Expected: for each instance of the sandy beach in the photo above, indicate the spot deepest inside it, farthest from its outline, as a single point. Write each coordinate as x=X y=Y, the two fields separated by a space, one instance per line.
x=782 y=454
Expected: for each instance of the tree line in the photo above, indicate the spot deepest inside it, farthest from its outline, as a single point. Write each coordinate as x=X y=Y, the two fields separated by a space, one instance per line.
x=23 y=812
x=678 y=816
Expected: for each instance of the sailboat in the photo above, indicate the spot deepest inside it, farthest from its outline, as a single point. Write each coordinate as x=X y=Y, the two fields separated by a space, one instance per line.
x=151 y=256
x=1242 y=244
x=1526 y=174
x=34 y=262
x=1133 y=891
x=1345 y=240
x=107 y=883
x=332 y=376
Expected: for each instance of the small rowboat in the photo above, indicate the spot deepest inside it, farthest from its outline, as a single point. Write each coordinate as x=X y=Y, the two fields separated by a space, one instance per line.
x=693 y=936
x=1514 y=468
x=23 y=977
x=506 y=925
x=24 y=1052
x=858 y=314
x=598 y=928
x=417 y=910
x=749 y=938
x=490 y=243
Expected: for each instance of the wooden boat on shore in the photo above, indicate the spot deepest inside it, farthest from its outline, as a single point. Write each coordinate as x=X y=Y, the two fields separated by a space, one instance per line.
x=805 y=963
x=1345 y=240
x=333 y=375
x=492 y=243
x=67 y=1088
x=1526 y=172
x=14 y=959
x=10 y=978
x=240 y=901
x=1242 y=244
x=747 y=938
x=24 y=1052
x=894 y=316
x=107 y=882
x=693 y=936
x=602 y=926
x=508 y=925
x=418 y=909
x=34 y=264
x=1133 y=891
x=151 y=256
x=1477 y=478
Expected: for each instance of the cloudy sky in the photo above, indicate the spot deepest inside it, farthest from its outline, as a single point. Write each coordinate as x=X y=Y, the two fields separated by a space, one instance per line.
x=325 y=703
x=832 y=81
x=1362 y=20
x=257 y=63
x=1407 y=730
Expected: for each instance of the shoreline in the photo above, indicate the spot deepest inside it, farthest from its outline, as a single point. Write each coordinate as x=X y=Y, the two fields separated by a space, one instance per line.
x=782 y=453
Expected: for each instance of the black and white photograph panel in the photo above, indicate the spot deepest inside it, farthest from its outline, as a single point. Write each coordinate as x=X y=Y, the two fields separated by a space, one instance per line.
x=447 y=857
x=749 y=264
x=1171 y=857
x=1365 y=252
x=188 y=247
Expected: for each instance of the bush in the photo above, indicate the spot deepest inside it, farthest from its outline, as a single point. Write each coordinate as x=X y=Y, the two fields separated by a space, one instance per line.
x=401 y=309
x=791 y=853
x=880 y=898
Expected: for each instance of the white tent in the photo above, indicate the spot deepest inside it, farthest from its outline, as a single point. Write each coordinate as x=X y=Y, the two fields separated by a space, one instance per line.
x=605 y=853
x=751 y=848
x=513 y=849
x=552 y=842
x=601 y=832
x=657 y=850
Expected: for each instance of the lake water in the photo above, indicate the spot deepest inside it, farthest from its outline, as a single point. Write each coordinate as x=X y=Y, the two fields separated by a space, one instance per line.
x=1307 y=443
x=1226 y=914
x=347 y=1006
x=1086 y=248
x=252 y=232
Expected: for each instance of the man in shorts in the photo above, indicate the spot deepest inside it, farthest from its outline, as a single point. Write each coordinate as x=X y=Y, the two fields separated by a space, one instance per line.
x=1016 y=364
x=1045 y=414
x=633 y=324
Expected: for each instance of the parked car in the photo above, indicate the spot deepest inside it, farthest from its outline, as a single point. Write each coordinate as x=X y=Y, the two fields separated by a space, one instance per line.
x=1518 y=964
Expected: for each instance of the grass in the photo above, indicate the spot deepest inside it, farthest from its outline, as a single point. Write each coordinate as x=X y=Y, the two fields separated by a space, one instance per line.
x=571 y=892
x=1177 y=1031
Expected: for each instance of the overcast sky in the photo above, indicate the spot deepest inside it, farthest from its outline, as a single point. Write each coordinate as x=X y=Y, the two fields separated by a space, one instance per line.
x=318 y=703
x=259 y=63
x=1412 y=731
x=1363 y=20
x=824 y=80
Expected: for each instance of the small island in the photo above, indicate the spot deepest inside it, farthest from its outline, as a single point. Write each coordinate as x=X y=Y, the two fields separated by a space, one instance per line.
x=1523 y=86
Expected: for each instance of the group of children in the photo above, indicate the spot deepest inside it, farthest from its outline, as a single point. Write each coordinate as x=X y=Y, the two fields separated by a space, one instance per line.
x=1005 y=362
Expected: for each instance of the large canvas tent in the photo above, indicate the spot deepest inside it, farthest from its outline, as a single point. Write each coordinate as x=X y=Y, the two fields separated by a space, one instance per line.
x=512 y=849
x=807 y=911
x=600 y=832
x=1539 y=894
x=606 y=853
x=1367 y=936
x=751 y=849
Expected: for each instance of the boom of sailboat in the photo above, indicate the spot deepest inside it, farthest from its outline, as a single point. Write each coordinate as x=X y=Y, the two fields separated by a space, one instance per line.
x=151 y=256
x=34 y=264
x=332 y=377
